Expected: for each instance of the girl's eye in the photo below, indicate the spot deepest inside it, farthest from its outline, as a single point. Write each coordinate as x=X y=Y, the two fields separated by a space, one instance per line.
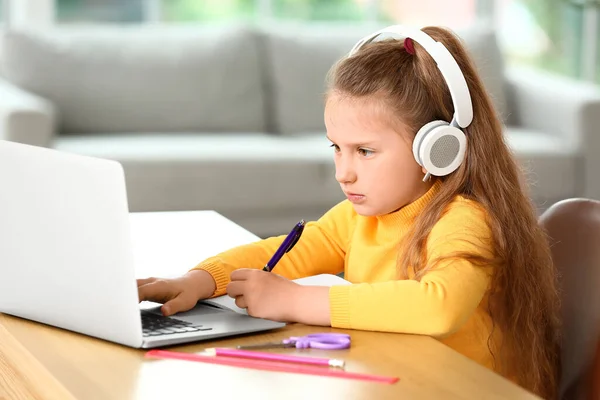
x=335 y=147
x=365 y=152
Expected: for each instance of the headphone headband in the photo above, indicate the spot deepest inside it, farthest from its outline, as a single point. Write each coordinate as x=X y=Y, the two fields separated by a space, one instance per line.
x=455 y=80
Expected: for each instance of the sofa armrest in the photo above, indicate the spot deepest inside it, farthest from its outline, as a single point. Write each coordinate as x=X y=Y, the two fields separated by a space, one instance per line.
x=552 y=104
x=562 y=107
x=25 y=117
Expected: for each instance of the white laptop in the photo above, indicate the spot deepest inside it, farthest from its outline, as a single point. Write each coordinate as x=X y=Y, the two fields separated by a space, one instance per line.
x=66 y=255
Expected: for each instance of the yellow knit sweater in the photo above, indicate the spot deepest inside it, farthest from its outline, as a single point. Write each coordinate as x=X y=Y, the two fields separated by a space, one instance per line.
x=449 y=302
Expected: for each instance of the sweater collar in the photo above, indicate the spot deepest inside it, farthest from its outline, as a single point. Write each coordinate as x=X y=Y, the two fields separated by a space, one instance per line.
x=407 y=214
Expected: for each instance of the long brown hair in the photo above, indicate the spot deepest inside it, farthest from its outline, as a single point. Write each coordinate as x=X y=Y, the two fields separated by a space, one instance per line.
x=524 y=302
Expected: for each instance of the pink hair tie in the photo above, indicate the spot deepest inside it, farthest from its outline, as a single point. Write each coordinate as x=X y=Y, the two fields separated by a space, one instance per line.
x=408 y=46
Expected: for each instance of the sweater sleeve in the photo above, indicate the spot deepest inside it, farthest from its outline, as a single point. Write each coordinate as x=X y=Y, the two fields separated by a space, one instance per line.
x=441 y=301
x=321 y=249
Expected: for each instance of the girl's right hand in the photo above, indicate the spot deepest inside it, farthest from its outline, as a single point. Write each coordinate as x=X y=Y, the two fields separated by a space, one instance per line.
x=177 y=294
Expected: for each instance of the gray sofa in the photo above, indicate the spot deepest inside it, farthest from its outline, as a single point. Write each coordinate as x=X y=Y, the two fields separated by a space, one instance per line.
x=230 y=117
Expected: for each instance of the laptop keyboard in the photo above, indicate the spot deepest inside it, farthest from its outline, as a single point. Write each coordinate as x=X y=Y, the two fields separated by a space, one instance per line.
x=157 y=325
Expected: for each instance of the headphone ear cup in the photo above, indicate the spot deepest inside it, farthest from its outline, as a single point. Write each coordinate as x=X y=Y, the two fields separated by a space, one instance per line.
x=442 y=150
x=417 y=142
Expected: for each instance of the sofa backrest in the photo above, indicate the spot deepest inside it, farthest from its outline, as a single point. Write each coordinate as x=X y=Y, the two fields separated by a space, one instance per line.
x=228 y=78
x=299 y=57
x=140 y=79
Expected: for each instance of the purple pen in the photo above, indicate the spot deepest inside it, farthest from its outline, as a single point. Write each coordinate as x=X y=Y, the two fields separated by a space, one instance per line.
x=288 y=243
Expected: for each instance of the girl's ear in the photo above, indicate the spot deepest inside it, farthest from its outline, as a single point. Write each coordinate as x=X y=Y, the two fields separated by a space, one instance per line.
x=424 y=170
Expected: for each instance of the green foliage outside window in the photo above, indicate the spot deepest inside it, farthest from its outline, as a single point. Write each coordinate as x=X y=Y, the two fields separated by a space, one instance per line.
x=318 y=10
x=123 y=11
x=208 y=10
x=212 y=10
x=560 y=21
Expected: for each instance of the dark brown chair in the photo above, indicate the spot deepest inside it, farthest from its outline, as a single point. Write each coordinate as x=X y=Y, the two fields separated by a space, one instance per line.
x=573 y=226
x=594 y=376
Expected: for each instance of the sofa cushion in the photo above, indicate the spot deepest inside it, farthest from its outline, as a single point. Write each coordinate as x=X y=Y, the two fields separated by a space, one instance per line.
x=246 y=171
x=297 y=61
x=300 y=57
x=250 y=176
x=136 y=79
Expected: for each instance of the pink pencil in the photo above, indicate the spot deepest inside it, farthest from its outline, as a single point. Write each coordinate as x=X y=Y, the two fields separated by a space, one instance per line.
x=270 y=366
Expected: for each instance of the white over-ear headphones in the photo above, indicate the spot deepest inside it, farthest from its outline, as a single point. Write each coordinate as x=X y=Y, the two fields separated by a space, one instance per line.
x=439 y=146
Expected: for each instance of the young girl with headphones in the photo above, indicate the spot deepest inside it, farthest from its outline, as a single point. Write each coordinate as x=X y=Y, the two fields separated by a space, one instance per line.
x=437 y=236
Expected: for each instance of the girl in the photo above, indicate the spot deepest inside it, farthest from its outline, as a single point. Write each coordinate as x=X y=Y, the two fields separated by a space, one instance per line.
x=459 y=257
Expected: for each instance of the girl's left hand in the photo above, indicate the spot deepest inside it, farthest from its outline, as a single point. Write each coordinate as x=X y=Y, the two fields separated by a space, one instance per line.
x=264 y=294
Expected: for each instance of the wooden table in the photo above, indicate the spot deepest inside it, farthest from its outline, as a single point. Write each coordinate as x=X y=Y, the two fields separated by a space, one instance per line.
x=42 y=362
